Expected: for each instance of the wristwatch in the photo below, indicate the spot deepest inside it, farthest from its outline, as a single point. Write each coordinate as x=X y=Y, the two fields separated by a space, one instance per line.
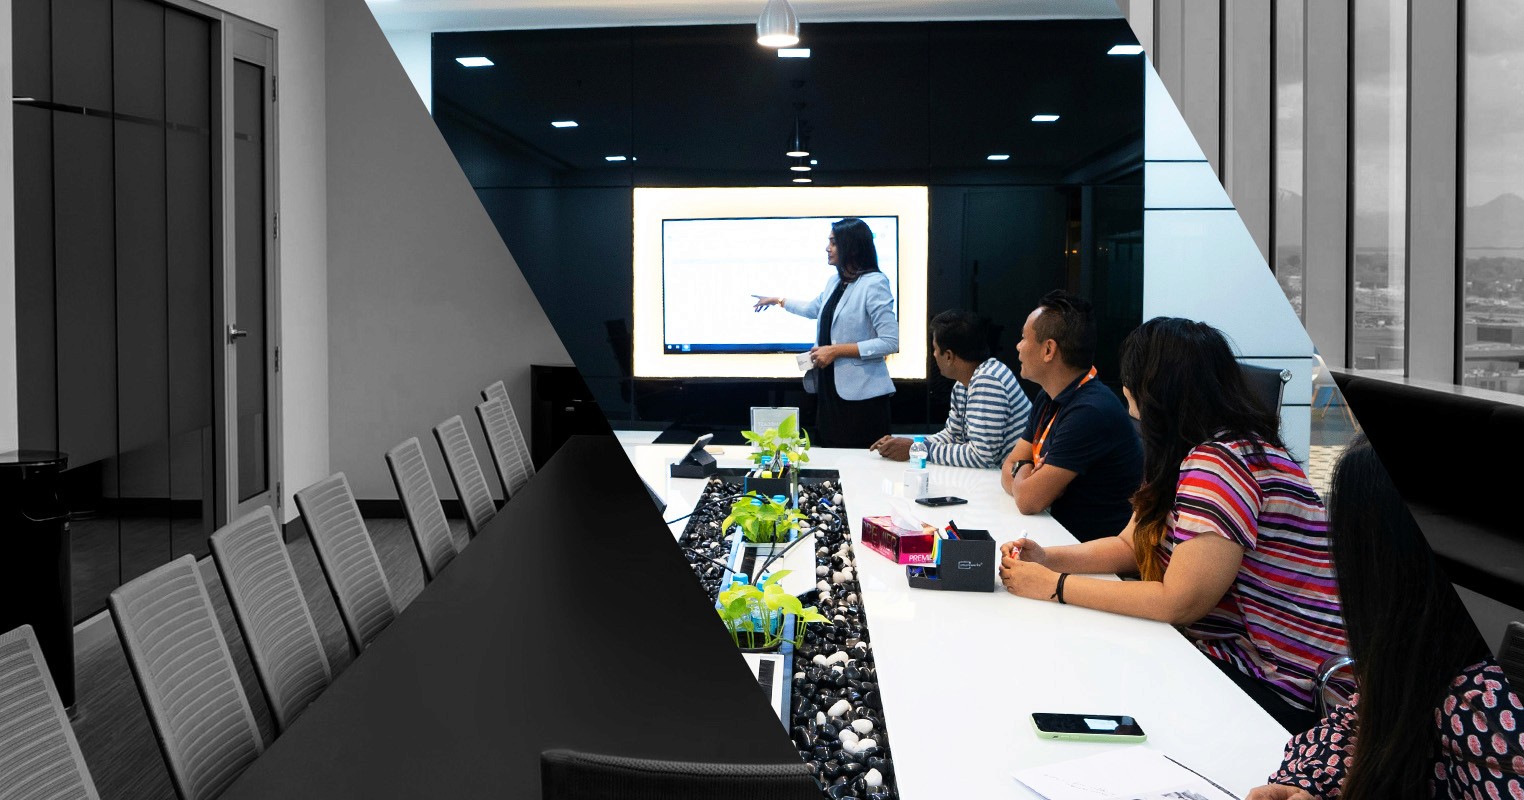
x=1015 y=468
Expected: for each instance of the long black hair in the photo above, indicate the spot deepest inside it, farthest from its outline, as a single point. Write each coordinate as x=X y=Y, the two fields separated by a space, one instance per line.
x=1189 y=390
x=1409 y=634
x=855 y=253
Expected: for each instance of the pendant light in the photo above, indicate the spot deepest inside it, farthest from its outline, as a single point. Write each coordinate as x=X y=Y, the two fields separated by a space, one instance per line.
x=796 y=147
x=778 y=26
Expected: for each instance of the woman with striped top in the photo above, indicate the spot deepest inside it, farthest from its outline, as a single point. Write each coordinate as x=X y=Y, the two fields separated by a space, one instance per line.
x=1230 y=539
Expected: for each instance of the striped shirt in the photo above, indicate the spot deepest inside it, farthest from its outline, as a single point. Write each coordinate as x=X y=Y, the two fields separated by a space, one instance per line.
x=986 y=418
x=1281 y=618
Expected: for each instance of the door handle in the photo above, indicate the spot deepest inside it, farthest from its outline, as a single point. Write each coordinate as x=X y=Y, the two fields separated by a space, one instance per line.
x=235 y=333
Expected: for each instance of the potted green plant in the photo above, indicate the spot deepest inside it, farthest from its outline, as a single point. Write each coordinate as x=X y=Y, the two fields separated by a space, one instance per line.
x=779 y=456
x=764 y=617
x=762 y=520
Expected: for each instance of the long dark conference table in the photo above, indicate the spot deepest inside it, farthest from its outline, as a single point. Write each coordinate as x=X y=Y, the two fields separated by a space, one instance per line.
x=572 y=621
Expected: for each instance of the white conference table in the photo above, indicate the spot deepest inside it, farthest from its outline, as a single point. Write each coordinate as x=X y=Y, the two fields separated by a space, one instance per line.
x=960 y=672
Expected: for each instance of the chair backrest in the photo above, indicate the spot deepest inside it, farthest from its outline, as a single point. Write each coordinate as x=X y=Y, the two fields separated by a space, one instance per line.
x=465 y=473
x=272 y=613
x=570 y=775
x=39 y=756
x=420 y=502
x=1268 y=384
x=495 y=391
x=348 y=558
x=1511 y=656
x=186 y=676
x=505 y=442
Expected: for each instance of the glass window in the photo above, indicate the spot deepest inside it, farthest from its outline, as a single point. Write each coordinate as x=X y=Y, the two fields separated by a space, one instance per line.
x=1379 y=187
x=1290 y=24
x=1492 y=322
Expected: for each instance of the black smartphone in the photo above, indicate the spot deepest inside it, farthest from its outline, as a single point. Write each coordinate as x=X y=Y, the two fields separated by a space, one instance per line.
x=940 y=501
x=1088 y=727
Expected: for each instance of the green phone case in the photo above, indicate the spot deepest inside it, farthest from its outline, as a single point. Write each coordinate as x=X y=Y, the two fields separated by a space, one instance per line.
x=1088 y=737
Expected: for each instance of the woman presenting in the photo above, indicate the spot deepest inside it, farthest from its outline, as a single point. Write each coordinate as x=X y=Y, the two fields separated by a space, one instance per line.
x=856 y=329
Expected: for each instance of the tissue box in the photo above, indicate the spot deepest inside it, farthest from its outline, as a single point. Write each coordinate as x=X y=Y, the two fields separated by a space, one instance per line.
x=901 y=546
x=965 y=564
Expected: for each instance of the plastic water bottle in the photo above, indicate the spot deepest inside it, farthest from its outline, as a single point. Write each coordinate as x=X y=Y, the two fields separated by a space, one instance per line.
x=918 y=453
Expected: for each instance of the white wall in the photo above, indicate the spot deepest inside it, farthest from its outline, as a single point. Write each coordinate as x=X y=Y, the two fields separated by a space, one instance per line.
x=425 y=304
x=415 y=50
x=8 y=436
x=1200 y=262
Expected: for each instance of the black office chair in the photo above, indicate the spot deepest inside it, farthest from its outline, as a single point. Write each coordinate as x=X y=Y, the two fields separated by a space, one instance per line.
x=1268 y=384
x=1511 y=655
x=570 y=775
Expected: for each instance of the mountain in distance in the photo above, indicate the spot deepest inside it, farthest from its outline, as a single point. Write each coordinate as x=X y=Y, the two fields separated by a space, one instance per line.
x=1495 y=224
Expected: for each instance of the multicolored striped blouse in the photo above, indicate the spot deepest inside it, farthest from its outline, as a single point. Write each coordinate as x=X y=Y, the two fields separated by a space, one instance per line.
x=1281 y=618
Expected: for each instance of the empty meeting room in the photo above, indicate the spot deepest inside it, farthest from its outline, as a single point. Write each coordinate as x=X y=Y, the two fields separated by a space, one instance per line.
x=417 y=399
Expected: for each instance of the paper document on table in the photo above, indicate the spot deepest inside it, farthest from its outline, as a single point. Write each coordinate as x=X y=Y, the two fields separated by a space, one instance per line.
x=1129 y=773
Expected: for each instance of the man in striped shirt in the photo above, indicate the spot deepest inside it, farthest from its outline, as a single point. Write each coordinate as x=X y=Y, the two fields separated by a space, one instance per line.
x=989 y=411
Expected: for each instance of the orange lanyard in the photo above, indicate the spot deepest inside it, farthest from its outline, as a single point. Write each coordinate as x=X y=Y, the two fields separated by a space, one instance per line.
x=1043 y=439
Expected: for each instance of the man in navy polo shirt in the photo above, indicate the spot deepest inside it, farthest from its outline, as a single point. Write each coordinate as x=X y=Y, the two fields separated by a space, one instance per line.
x=1080 y=455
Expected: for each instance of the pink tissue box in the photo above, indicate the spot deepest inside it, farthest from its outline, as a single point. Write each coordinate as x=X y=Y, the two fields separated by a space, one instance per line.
x=901 y=546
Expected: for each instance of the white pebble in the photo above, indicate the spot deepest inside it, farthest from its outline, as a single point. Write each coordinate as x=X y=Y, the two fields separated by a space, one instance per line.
x=820 y=718
x=862 y=726
x=848 y=573
x=825 y=597
x=867 y=743
x=873 y=778
x=820 y=659
x=838 y=657
x=822 y=571
x=848 y=739
x=840 y=708
x=838 y=577
x=799 y=676
x=852 y=598
x=836 y=499
x=823 y=586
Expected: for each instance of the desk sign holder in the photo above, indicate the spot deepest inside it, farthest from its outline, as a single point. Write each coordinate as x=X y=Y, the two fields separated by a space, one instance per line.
x=964 y=564
x=698 y=463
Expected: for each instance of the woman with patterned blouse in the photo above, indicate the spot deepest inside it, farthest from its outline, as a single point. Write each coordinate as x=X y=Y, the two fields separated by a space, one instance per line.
x=1228 y=535
x=1435 y=716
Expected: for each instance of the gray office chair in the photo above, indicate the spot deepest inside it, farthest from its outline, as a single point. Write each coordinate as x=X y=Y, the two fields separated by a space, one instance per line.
x=1268 y=384
x=497 y=391
x=570 y=775
x=348 y=558
x=1511 y=656
x=272 y=613
x=39 y=756
x=420 y=503
x=465 y=473
x=505 y=443
x=186 y=675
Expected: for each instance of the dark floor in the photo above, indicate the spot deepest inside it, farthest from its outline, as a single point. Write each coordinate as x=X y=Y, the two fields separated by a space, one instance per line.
x=112 y=727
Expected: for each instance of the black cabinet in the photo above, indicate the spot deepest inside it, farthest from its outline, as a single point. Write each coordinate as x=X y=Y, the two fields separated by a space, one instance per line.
x=561 y=407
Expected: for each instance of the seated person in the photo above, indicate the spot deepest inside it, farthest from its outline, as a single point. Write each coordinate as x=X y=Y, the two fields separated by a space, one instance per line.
x=989 y=410
x=1435 y=716
x=1079 y=455
x=1229 y=537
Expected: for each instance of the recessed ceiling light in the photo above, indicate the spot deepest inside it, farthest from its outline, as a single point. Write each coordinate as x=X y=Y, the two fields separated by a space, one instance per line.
x=793 y=52
x=998 y=156
x=803 y=180
x=613 y=158
x=1126 y=50
x=1044 y=117
x=564 y=123
x=474 y=61
x=800 y=168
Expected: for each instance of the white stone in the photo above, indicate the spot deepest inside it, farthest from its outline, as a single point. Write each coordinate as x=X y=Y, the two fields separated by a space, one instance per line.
x=840 y=708
x=823 y=586
x=852 y=598
x=820 y=659
x=864 y=744
x=799 y=676
x=862 y=726
x=838 y=657
x=873 y=778
x=836 y=499
x=822 y=571
x=820 y=718
x=838 y=577
x=848 y=573
x=848 y=739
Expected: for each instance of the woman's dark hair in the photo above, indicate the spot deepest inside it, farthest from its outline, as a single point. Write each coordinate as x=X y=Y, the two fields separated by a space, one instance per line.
x=1408 y=632
x=856 y=255
x=1189 y=390
x=963 y=333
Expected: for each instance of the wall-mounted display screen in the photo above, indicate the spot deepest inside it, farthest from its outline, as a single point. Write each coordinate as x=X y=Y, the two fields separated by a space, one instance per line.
x=701 y=256
x=712 y=269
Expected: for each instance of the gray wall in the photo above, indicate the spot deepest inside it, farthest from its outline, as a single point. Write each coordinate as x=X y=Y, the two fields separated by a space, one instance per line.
x=425 y=304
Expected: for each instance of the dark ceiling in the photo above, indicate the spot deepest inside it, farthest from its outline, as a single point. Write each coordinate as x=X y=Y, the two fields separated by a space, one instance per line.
x=881 y=103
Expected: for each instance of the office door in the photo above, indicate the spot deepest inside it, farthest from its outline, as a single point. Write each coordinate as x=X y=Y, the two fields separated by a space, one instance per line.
x=250 y=311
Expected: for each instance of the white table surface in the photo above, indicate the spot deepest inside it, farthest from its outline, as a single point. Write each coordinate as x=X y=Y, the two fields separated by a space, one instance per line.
x=960 y=672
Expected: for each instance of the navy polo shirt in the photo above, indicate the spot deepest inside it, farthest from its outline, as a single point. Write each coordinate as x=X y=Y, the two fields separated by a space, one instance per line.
x=1093 y=436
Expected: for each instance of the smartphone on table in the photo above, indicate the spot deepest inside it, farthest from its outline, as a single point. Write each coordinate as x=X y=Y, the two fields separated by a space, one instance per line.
x=1088 y=727
x=940 y=501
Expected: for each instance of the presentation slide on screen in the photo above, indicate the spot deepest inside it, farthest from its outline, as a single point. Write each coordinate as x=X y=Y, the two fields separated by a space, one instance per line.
x=713 y=268
x=700 y=254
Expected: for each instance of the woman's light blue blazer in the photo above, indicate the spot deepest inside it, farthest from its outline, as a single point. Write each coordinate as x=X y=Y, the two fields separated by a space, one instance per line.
x=865 y=315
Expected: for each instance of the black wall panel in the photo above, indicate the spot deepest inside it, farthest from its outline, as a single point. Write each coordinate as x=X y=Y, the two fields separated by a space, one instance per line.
x=81 y=41
x=31 y=53
x=36 y=345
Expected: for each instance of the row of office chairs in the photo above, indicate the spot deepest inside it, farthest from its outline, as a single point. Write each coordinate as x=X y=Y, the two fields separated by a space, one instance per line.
x=175 y=647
